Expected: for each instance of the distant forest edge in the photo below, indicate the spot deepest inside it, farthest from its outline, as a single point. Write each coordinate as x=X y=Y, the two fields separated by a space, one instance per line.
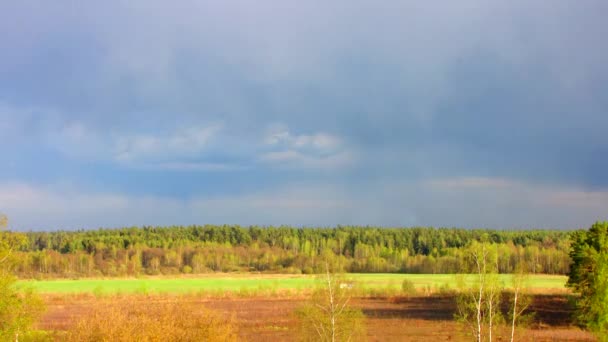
x=202 y=249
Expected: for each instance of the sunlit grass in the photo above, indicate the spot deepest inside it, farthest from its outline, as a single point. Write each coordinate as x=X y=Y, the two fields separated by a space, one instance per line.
x=252 y=283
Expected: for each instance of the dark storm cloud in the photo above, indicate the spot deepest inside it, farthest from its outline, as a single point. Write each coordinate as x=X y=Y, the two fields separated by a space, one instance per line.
x=363 y=93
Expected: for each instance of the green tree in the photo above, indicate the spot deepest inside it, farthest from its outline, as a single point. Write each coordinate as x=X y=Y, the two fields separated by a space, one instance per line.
x=18 y=308
x=589 y=277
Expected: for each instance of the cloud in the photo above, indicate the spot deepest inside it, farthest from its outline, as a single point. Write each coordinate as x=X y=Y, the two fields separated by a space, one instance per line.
x=35 y=207
x=19 y=123
x=194 y=148
x=75 y=139
x=188 y=142
x=207 y=146
x=487 y=104
x=470 y=183
x=319 y=150
x=30 y=206
x=509 y=203
x=478 y=204
x=295 y=159
x=320 y=142
x=177 y=149
x=191 y=166
x=8 y=120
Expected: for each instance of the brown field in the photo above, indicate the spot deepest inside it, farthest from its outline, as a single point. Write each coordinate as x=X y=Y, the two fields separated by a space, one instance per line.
x=388 y=319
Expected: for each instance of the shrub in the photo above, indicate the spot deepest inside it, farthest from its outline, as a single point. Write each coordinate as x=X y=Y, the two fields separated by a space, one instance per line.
x=307 y=270
x=408 y=288
x=444 y=290
x=19 y=307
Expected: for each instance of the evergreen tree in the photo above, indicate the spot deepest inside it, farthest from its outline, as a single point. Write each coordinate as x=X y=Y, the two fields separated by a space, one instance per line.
x=589 y=277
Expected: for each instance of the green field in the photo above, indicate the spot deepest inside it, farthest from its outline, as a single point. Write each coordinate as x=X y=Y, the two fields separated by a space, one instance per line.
x=253 y=282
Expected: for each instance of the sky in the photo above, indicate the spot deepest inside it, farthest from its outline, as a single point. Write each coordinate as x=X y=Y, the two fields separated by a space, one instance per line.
x=473 y=113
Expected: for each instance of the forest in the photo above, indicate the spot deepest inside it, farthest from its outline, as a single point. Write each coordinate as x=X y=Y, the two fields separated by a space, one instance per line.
x=203 y=249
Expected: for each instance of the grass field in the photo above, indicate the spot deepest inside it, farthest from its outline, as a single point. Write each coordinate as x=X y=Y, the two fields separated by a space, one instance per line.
x=258 y=315
x=216 y=283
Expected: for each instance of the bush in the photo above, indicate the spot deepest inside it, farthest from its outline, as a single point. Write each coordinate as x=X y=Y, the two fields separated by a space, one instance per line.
x=19 y=309
x=408 y=288
x=444 y=290
x=307 y=270
x=292 y=270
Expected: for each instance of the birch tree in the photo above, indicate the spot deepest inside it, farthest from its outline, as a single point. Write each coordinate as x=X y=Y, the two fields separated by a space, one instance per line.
x=478 y=301
x=520 y=300
x=328 y=316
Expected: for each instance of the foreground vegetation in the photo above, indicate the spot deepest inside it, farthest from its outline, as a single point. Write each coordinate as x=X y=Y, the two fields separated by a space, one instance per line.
x=589 y=277
x=171 y=320
x=19 y=308
x=205 y=249
x=400 y=318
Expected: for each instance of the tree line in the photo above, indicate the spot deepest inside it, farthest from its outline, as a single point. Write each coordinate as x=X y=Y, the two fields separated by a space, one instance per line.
x=209 y=248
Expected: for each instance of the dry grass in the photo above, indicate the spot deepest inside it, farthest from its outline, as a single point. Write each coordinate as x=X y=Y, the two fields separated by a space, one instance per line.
x=412 y=318
x=136 y=320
